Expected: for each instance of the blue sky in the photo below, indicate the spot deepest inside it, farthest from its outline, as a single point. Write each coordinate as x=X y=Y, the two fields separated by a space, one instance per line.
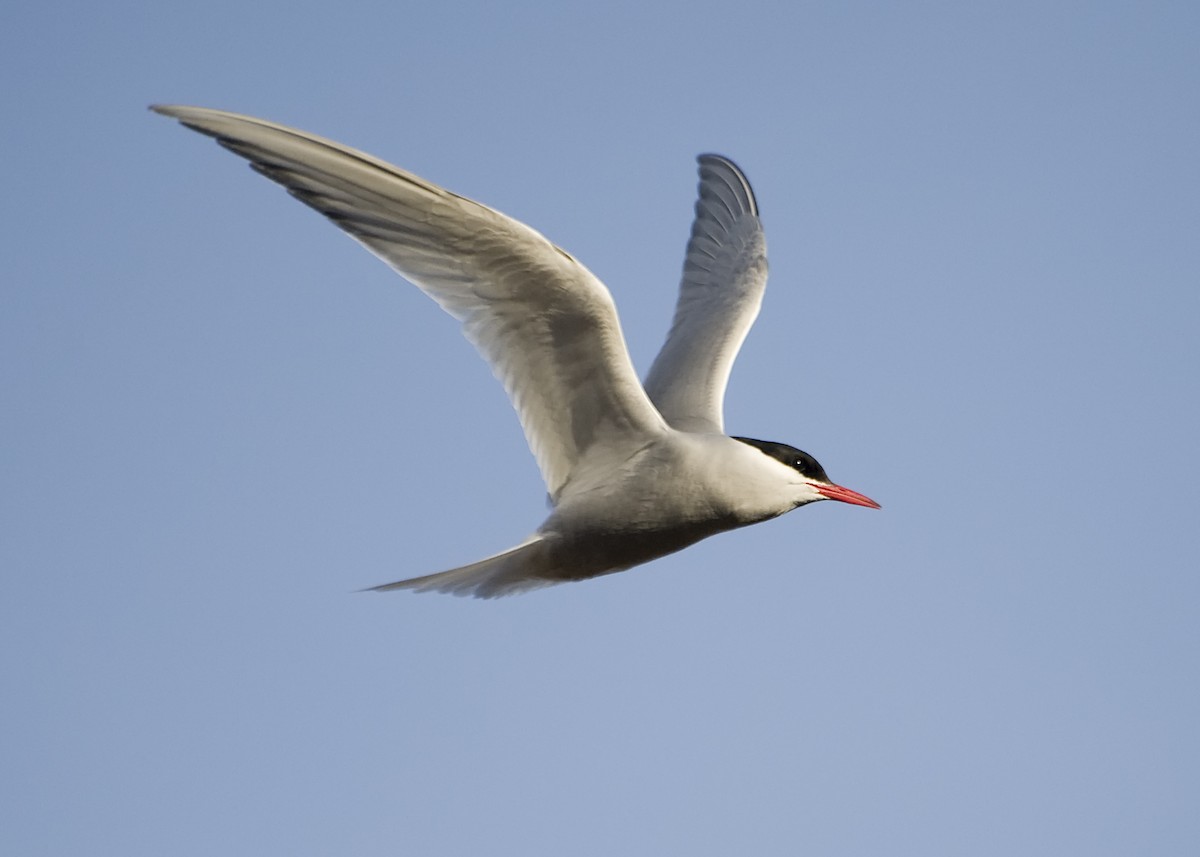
x=221 y=418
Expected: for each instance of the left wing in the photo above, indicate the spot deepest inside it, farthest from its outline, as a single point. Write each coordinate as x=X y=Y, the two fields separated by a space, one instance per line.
x=544 y=322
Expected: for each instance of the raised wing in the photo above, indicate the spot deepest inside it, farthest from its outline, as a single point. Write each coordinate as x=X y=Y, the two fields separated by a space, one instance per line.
x=544 y=322
x=724 y=276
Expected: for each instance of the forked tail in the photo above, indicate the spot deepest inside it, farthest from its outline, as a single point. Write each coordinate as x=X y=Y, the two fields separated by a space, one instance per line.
x=518 y=569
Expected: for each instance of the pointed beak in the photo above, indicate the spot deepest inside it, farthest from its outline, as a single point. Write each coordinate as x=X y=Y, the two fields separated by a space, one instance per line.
x=837 y=492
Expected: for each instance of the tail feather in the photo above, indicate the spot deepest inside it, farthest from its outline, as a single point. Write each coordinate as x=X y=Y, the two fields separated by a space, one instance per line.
x=510 y=572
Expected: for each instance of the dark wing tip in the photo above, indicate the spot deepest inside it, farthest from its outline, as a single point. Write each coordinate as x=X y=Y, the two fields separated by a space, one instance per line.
x=731 y=174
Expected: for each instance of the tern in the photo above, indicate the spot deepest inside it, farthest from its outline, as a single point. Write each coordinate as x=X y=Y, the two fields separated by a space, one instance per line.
x=634 y=471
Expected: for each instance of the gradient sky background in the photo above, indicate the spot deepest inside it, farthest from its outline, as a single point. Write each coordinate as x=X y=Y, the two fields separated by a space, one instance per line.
x=220 y=418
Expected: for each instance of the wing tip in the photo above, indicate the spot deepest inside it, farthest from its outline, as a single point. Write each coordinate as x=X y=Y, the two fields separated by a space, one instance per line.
x=709 y=157
x=173 y=111
x=712 y=165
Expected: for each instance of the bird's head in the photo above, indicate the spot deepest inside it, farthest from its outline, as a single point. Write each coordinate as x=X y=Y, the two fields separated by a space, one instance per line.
x=814 y=484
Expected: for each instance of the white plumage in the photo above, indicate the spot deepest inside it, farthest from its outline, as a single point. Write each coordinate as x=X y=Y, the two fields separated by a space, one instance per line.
x=633 y=473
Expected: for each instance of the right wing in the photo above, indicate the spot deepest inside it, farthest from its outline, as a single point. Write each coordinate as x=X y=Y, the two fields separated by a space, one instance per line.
x=724 y=276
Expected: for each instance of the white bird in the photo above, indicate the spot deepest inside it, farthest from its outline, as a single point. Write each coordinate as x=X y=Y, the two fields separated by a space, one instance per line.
x=634 y=472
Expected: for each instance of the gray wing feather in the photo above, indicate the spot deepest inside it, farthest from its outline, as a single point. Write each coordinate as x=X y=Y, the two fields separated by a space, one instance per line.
x=724 y=276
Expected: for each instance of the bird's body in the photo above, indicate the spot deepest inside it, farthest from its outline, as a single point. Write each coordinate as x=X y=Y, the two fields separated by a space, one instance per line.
x=633 y=473
x=639 y=510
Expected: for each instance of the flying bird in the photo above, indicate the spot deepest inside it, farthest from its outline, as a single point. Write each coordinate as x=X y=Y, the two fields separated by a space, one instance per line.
x=634 y=471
